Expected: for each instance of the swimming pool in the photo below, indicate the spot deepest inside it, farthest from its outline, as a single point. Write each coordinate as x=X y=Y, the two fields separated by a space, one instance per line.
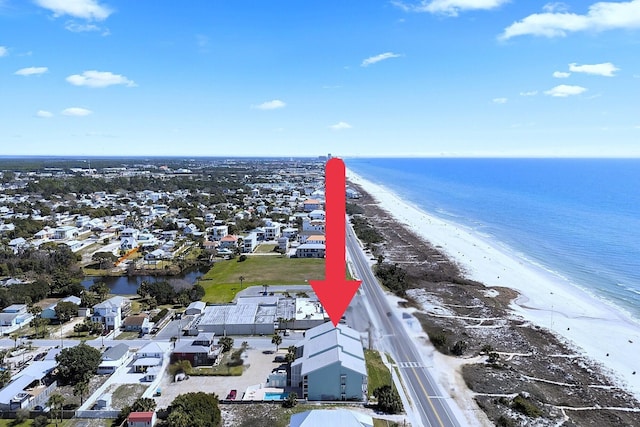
x=269 y=395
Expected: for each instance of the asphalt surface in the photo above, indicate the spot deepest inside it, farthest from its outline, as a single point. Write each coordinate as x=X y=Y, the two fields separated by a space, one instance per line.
x=426 y=397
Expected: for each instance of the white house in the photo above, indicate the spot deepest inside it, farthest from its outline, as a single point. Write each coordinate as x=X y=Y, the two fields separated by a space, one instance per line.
x=111 y=312
x=196 y=307
x=65 y=232
x=113 y=358
x=219 y=231
x=250 y=243
x=310 y=250
x=317 y=214
x=141 y=419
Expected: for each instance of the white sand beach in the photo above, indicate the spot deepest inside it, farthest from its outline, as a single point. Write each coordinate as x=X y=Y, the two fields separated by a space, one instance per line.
x=548 y=300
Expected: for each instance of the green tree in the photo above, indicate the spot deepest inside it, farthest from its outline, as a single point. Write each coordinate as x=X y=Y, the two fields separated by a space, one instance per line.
x=77 y=363
x=5 y=378
x=183 y=298
x=101 y=289
x=39 y=324
x=291 y=400
x=104 y=259
x=143 y=404
x=66 y=310
x=56 y=403
x=195 y=409
x=40 y=421
x=226 y=343
x=277 y=340
x=89 y=299
x=81 y=388
x=388 y=399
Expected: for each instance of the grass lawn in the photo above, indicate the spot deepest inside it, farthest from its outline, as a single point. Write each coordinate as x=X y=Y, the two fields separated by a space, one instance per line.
x=128 y=335
x=377 y=422
x=221 y=369
x=264 y=248
x=377 y=372
x=221 y=281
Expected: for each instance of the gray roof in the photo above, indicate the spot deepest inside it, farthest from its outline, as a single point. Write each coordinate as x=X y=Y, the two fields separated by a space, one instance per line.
x=116 y=352
x=331 y=417
x=326 y=344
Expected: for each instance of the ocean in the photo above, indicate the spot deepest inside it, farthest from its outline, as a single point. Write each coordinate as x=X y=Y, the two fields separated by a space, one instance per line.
x=579 y=218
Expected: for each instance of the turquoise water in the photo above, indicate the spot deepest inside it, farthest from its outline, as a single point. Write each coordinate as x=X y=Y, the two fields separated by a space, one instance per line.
x=275 y=396
x=577 y=217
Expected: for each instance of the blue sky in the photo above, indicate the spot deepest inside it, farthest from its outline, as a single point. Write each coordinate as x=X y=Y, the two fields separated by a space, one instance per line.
x=353 y=78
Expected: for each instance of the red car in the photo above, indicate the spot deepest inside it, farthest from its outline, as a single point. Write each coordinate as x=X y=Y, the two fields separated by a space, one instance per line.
x=232 y=395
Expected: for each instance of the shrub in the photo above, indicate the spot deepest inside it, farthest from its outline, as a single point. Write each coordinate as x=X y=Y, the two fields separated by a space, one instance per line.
x=526 y=407
x=439 y=340
x=459 y=348
x=158 y=317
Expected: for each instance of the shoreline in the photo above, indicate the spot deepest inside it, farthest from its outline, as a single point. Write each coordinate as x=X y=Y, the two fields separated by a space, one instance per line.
x=598 y=330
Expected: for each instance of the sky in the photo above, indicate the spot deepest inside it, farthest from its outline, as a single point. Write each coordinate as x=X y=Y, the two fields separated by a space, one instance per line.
x=307 y=78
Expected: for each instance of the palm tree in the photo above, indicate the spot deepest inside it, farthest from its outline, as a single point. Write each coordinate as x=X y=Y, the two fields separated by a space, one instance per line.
x=80 y=389
x=56 y=402
x=15 y=337
x=241 y=278
x=276 y=339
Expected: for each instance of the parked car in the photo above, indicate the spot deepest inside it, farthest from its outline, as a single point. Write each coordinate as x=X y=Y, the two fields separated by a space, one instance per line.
x=232 y=395
x=279 y=359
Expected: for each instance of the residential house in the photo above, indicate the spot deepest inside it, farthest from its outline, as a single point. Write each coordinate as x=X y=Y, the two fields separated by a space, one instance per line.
x=50 y=311
x=141 y=419
x=250 y=243
x=111 y=312
x=283 y=244
x=317 y=214
x=113 y=358
x=149 y=356
x=209 y=246
x=330 y=364
x=199 y=351
x=289 y=232
x=65 y=232
x=219 y=231
x=17 y=243
x=331 y=417
x=137 y=323
x=156 y=255
x=309 y=224
x=229 y=242
x=272 y=232
x=310 y=250
x=311 y=205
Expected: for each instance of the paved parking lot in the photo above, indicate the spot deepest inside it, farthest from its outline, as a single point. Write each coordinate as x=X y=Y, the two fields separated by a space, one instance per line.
x=173 y=328
x=260 y=366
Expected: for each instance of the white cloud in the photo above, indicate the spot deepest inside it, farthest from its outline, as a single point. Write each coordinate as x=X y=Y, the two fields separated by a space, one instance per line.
x=270 y=105
x=378 y=58
x=555 y=7
x=606 y=69
x=449 y=7
x=340 y=126
x=601 y=16
x=76 y=111
x=44 y=114
x=500 y=100
x=561 y=74
x=3 y=51
x=565 y=90
x=95 y=78
x=91 y=10
x=74 y=27
x=30 y=71
x=530 y=93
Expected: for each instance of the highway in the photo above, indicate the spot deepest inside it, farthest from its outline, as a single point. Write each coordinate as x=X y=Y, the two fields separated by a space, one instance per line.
x=425 y=395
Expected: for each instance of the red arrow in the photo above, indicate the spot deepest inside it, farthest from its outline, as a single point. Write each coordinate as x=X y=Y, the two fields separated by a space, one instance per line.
x=335 y=292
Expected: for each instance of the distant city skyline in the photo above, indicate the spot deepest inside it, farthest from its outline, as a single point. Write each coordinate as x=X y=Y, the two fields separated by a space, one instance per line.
x=455 y=78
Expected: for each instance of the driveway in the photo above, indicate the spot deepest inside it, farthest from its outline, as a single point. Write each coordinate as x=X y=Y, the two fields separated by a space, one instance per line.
x=260 y=366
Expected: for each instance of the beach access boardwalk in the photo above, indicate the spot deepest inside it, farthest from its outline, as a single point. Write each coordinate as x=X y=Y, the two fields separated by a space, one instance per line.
x=430 y=403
